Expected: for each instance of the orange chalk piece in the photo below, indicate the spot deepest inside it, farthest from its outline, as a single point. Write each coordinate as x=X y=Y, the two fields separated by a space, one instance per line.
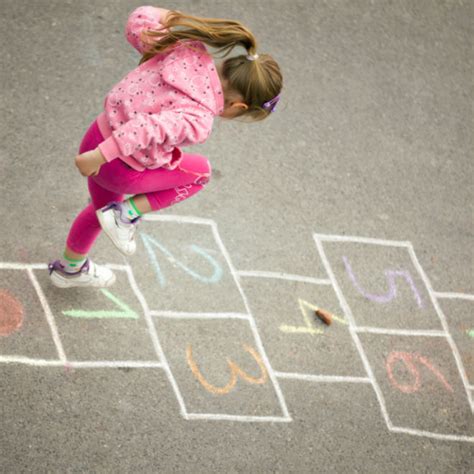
x=325 y=316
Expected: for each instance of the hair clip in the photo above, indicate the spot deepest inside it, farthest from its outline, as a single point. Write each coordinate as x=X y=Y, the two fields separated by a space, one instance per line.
x=271 y=104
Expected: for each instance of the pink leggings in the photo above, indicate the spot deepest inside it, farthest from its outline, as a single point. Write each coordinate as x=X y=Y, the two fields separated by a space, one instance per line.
x=162 y=187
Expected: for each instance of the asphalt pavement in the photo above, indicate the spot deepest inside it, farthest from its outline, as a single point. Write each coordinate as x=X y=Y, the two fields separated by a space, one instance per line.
x=355 y=196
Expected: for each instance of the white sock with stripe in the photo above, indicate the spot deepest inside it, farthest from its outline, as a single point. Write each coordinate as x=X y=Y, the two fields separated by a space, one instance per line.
x=72 y=265
x=130 y=209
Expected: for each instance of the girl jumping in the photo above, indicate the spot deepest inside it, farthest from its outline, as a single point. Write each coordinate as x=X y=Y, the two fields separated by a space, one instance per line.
x=169 y=100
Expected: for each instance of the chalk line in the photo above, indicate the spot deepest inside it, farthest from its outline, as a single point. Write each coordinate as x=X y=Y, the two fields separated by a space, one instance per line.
x=362 y=240
x=402 y=332
x=155 y=340
x=323 y=378
x=22 y=266
x=352 y=325
x=429 y=434
x=49 y=316
x=283 y=276
x=116 y=266
x=116 y=364
x=224 y=417
x=462 y=296
x=444 y=323
x=194 y=315
x=252 y=323
x=80 y=364
x=177 y=218
x=30 y=361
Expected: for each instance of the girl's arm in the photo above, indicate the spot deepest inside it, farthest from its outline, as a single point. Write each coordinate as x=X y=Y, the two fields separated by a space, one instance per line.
x=151 y=137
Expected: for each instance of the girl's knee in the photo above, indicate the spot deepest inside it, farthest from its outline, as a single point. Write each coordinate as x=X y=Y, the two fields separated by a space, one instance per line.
x=197 y=165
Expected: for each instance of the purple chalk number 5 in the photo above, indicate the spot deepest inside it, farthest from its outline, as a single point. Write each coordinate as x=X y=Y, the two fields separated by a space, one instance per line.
x=390 y=276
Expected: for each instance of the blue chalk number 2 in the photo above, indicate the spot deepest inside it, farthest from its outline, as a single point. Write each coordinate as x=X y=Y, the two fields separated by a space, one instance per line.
x=151 y=242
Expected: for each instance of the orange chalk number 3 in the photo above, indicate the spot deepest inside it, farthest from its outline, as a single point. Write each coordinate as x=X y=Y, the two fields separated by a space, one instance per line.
x=235 y=370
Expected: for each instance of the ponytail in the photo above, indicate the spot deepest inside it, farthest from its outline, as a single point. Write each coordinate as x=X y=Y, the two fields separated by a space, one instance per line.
x=258 y=81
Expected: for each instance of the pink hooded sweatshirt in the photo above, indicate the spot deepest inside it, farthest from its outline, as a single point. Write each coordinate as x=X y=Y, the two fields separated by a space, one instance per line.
x=166 y=102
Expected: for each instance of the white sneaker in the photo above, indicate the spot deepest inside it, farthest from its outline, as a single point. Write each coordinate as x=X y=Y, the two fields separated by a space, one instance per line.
x=90 y=274
x=120 y=230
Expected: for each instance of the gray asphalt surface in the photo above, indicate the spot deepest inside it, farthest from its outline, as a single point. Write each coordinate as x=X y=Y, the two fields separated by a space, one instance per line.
x=206 y=356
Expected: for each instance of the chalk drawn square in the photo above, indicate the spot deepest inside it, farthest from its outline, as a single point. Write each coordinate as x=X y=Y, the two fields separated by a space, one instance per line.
x=95 y=324
x=218 y=368
x=295 y=339
x=24 y=330
x=420 y=383
x=181 y=266
x=382 y=285
x=459 y=314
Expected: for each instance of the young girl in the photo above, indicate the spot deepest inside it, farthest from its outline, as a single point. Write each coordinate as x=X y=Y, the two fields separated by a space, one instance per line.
x=169 y=100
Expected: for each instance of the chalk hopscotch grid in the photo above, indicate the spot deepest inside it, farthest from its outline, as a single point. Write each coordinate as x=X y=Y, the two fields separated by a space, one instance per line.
x=63 y=361
x=247 y=316
x=319 y=239
x=300 y=375
x=162 y=363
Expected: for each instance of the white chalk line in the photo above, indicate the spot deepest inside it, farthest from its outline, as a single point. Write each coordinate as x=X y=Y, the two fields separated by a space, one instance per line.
x=49 y=315
x=177 y=218
x=44 y=266
x=362 y=240
x=116 y=266
x=444 y=323
x=401 y=332
x=461 y=296
x=253 y=324
x=352 y=325
x=145 y=364
x=247 y=418
x=86 y=364
x=283 y=276
x=186 y=315
x=323 y=378
x=22 y=266
x=430 y=434
x=31 y=361
x=155 y=340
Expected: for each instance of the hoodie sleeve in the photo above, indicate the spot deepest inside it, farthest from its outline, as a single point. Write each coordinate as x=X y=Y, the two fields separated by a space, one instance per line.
x=140 y=19
x=150 y=138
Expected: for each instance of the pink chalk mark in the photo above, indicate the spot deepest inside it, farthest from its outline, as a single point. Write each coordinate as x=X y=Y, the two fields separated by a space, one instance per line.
x=435 y=371
x=390 y=275
x=408 y=359
x=11 y=313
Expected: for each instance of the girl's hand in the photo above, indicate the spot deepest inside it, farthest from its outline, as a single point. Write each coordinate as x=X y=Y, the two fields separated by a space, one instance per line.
x=89 y=163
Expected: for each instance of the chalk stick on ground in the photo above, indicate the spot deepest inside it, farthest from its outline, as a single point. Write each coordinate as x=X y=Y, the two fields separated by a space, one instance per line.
x=325 y=316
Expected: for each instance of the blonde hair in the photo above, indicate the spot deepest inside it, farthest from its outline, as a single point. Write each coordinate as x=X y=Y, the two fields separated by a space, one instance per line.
x=258 y=81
